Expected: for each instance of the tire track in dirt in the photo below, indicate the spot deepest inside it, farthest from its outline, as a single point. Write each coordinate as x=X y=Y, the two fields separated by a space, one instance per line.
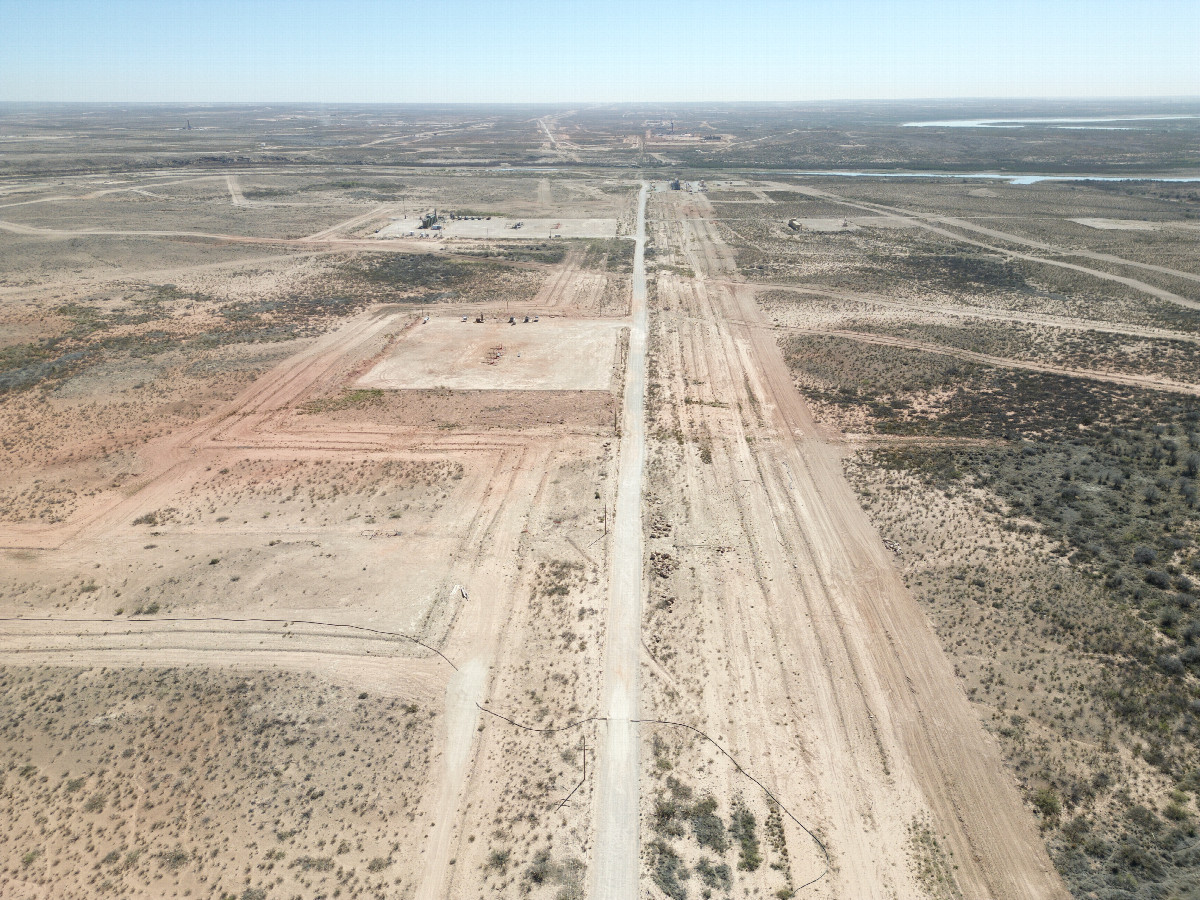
x=389 y=676
x=927 y=222
x=95 y=195
x=758 y=674
x=236 y=197
x=245 y=424
x=554 y=289
x=616 y=868
x=357 y=659
x=175 y=461
x=968 y=312
x=476 y=639
x=755 y=676
x=351 y=223
x=330 y=243
x=884 y=340
x=889 y=732
x=967 y=225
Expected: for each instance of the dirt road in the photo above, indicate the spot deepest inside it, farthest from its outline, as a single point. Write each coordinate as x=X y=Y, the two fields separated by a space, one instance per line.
x=816 y=668
x=549 y=136
x=478 y=639
x=475 y=552
x=344 y=653
x=564 y=147
x=1049 y=248
x=236 y=197
x=615 y=875
x=380 y=212
x=928 y=223
x=887 y=340
x=969 y=312
x=820 y=671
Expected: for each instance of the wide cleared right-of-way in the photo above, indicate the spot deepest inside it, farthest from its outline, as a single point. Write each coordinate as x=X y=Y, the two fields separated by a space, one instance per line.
x=792 y=639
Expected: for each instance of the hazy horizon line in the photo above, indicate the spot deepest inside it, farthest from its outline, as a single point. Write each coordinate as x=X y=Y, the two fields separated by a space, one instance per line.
x=1066 y=98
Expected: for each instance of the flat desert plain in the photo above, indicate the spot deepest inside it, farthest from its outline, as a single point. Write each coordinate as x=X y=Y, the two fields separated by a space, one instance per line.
x=724 y=531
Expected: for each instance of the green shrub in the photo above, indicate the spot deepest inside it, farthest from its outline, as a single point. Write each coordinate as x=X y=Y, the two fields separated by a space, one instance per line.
x=541 y=869
x=1176 y=812
x=707 y=825
x=665 y=820
x=745 y=832
x=314 y=863
x=716 y=876
x=1046 y=802
x=667 y=870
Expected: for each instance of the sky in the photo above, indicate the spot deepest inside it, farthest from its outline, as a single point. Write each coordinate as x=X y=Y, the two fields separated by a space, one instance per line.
x=531 y=51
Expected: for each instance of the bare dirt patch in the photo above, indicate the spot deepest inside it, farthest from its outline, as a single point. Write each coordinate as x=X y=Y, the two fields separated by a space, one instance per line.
x=502 y=227
x=823 y=225
x=1118 y=224
x=551 y=354
x=468 y=410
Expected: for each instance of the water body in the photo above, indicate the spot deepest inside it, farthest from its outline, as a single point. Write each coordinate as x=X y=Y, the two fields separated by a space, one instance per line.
x=992 y=176
x=1069 y=121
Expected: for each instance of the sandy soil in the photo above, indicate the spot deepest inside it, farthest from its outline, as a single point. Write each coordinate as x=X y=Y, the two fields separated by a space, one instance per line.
x=988 y=359
x=373 y=508
x=1117 y=224
x=264 y=531
x=937 y=225
x=880 y=739
x=550 y=354
x=501 y=228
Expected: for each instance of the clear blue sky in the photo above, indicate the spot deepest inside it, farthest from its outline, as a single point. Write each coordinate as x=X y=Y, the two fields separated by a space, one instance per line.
x=604 y=50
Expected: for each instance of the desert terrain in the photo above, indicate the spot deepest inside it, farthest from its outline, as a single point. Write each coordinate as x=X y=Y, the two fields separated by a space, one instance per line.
x=730 y=528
